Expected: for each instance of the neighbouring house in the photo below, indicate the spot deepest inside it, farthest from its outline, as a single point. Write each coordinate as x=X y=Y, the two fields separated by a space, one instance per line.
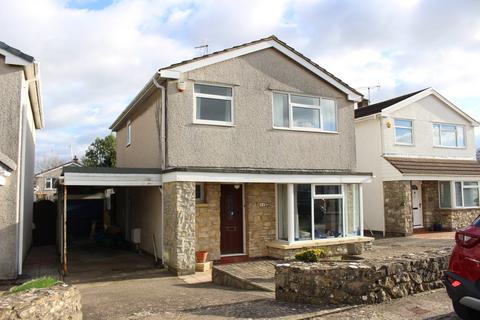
x=46 y=180
x=256 y=150
x=421 y=150
x=21 y=106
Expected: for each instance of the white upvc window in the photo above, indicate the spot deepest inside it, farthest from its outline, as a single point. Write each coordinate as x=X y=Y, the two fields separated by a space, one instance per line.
x=49 y=183
x=448 y=135
x=129 y=134
x=318 y=211
x=199 y=192
x=459 y=194
x=305 y=113
x=213 y=104
x=403 y=132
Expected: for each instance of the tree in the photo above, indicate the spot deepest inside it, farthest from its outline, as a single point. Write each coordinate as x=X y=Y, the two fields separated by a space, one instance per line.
x=478 y=154
x=101 y=153
x=49 y=162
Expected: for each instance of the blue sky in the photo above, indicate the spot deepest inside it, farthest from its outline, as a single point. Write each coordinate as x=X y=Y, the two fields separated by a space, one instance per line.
x=96 y=55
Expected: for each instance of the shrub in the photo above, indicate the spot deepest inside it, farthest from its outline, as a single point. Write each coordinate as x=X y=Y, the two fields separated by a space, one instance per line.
x=45 y=282
x=311 y=255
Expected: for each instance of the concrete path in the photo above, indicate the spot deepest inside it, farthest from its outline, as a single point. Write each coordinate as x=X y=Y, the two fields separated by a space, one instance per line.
x=171 y=298
x=257 y=274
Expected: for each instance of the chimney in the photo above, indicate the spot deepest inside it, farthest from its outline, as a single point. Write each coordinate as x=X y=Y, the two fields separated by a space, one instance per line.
x=75 y=159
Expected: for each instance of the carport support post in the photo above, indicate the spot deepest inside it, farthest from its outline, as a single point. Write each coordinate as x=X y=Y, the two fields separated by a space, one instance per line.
x=65 y=267
x=179 y=220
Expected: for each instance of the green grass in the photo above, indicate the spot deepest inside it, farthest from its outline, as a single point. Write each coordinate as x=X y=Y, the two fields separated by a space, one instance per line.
x=45 y=282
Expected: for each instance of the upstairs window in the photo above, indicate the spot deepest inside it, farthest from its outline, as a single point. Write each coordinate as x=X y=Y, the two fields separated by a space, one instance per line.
x=49 y=183
x=448 y=135
x=213 y=104
x=304 y=112
x=129 y=133
x=403 y=131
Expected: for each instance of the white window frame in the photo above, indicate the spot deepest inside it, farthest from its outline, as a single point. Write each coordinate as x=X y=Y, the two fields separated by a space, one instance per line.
x=129 y=133
x=202 y=192
x=403 y=127
x=213 y=96
x=47 y=180
x=291 y=105
x=457 y=127
x=453 y=198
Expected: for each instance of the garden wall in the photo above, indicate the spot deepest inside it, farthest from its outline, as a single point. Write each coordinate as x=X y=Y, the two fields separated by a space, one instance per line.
x=59 y=302
x=364 y=282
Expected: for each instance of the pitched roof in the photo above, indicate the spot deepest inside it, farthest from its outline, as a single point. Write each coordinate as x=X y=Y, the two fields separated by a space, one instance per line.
x=71 y=163
x=175 y=69
x=16 y=52
x=272 y=37
x=378 y=107
x=435 y=166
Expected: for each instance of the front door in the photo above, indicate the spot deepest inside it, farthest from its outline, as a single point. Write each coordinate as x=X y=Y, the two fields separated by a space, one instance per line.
x=231 y=219
x=417 y=205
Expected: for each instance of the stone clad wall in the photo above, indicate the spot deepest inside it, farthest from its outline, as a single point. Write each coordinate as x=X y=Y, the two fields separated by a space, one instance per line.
x=207 y=222
x=360 y=282
x=56 y=303
x=260 y=215
x=179 y=231
x=398 y=213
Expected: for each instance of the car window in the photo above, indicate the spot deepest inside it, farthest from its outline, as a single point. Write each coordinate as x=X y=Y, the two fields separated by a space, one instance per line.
x=476 y=222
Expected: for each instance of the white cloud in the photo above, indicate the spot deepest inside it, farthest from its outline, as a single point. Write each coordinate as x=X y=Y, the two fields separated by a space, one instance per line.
x=94 y=61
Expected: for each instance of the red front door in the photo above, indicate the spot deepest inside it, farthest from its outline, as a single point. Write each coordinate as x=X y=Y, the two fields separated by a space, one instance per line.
x=231 y=219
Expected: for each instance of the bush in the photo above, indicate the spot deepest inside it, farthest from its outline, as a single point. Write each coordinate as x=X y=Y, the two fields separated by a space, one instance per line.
x=45 y=282
x=311 y=255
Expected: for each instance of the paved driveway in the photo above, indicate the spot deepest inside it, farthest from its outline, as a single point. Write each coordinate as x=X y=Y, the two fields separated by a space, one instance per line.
x=168 y=297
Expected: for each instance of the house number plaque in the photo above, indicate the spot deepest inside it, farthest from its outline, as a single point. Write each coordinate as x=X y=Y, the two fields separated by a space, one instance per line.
x=263 y=205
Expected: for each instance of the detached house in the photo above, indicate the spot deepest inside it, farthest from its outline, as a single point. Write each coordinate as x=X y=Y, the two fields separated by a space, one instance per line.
x=247 y=152
x=256 y=145
x=421 y=150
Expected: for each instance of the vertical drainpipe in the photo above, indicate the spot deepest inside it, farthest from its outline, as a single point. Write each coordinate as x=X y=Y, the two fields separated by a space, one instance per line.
x=382 y=151
x=162 y=143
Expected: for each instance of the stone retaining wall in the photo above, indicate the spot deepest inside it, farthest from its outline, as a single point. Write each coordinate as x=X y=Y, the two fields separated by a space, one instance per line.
x=56 y=303
x=354 y=283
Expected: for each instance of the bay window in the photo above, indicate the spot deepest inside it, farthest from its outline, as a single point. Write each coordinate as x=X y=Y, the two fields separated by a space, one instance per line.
x=448 y=135
x=304 y=112
x=213 y=104
x=459 y=194
x=319 y=211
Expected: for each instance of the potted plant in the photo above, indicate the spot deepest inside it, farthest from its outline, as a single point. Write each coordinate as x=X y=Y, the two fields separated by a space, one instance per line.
x=201 y=256
x=437 y=226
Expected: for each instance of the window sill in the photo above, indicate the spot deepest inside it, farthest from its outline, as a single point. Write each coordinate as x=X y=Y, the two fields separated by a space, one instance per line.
x=305 y=130
x=460 y=208
x=214 y=123
x=445 y=147
x=201 y=205
x=405 y=144
x=128 y=145
x=281 y=244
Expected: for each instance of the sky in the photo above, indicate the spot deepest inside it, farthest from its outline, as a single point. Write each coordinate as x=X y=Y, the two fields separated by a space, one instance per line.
x=96 y=55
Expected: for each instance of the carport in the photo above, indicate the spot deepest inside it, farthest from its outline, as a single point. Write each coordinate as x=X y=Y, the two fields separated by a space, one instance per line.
x=78 y=190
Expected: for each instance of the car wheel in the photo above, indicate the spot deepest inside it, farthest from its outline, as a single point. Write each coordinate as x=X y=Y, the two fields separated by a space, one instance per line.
x=464 y=312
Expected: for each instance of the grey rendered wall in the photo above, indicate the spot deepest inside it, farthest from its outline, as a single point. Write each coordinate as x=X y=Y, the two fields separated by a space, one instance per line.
x=40 y=182
x=252 y=142
x=10 y=96
x=144 y=150
x=28 y=199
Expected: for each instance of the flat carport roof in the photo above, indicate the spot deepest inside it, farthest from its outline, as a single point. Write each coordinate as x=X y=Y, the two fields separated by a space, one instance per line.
x=111 y=177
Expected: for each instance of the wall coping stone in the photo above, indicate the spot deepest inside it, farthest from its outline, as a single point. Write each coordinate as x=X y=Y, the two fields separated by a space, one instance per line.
x=317 y=243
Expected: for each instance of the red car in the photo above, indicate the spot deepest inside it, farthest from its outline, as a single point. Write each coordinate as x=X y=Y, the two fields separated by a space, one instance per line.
x=463 y=276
